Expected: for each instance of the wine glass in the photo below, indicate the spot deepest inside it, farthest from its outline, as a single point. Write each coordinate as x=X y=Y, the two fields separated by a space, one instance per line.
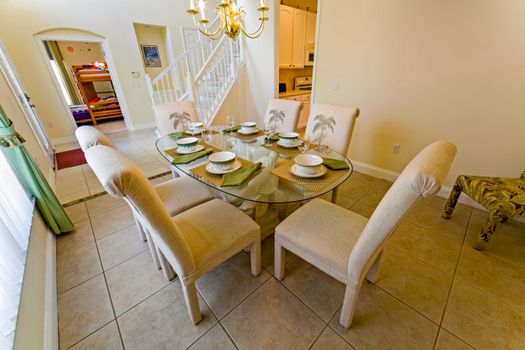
x=230 y=119
x=268 y=131
x=207 y=136
x=304 y=146
x=192 y=127
x=231 y=141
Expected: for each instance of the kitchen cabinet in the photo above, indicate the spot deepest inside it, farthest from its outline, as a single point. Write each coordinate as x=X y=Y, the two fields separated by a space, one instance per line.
x=310 y=27
x=305 y=108
x=292 y=36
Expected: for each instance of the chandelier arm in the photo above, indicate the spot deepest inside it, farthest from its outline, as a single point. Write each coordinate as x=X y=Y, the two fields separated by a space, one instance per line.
x=206 y=32
x=255 y=34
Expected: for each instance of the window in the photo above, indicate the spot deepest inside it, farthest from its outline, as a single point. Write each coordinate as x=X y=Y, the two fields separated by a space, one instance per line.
x=16 y=211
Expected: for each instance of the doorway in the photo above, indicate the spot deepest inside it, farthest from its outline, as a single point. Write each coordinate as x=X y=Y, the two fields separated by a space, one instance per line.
x=82 y=70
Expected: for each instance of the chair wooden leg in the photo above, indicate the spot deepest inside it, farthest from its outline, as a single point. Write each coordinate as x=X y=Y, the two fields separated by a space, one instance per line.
x=371 y=276
x=279 y=261
x=488 y=230
x=153 y=251
x=335 y=195
x=142 y=233
x=452 y=200
x=192 y=302
x=167 y=270
x=255 y=257
x=349 y=305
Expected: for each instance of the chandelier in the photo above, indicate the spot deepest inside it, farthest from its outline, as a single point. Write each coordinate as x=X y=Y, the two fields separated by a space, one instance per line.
x=230 y=17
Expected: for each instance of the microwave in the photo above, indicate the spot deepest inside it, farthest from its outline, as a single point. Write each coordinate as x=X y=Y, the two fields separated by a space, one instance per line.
x=309 y=55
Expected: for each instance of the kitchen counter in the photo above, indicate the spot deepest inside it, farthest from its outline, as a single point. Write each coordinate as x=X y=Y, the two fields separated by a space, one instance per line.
x=294 y=93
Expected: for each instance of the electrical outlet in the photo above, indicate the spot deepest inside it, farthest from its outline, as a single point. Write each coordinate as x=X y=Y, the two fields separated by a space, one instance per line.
x=50 y=125
x=395 y=148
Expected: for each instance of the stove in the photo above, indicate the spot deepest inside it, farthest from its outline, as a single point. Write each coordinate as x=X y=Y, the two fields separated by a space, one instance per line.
x=303 y=83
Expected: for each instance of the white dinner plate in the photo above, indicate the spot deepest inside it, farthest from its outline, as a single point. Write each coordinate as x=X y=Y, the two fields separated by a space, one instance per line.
x=290 y=145
x=255 y=131
x=196 y=132
x=212 y=170
x=293 y=170
x=181 y=150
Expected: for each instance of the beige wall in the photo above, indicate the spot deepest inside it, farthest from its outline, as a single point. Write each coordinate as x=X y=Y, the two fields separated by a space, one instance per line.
x=427 y=70
x=151 y=35
x=114 y=21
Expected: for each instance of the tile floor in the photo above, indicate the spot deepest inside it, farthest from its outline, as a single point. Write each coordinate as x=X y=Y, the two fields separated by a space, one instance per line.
x=433 y=292
x=80 y=182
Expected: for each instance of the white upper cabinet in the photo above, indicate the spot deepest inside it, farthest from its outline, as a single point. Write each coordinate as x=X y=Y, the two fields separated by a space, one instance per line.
x=310 y=27
x=292 y=35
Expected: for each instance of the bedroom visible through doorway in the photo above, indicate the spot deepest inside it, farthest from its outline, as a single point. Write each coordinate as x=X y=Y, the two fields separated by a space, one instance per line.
x=85 y=82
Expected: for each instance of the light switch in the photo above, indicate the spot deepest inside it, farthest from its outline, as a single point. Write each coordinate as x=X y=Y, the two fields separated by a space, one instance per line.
x=336 y=85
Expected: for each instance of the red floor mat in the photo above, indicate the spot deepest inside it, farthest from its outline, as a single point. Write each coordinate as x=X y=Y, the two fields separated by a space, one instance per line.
x=70 y=159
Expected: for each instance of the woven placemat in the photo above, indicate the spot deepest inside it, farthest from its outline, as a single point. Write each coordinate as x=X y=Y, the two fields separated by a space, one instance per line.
x=214 y=179
x=311 y=184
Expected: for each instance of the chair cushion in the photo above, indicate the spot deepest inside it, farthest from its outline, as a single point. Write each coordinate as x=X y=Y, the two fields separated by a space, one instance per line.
x=324 y=234
x=182 y=193
x=214 y=228
x=497 y=194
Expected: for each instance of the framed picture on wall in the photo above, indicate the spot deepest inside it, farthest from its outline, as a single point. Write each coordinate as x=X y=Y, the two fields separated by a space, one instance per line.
x=151 y=56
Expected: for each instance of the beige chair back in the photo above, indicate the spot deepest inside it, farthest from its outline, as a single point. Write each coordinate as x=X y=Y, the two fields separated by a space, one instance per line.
x=285 y=114
x=88 y=136
x=171 y=113
x=339 y=125
x=122 y=178
x=423 y=176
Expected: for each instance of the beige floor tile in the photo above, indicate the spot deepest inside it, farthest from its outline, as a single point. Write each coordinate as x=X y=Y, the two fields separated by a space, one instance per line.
x=415 y=283
x=362 y=209
x=162 y=322
x=69 y=172
x=112 y=221
x=497 y=277
x=507 y=243
x=272 y=318
x=96 y=189
x=67 y=198
x=329 y=339
x=81 y=235
x=77 y=212
x=106 y=338
x=429 y=216
x=215 y=339
x=353 y=189
x=345 y=201
x=133 y=281
x=447 y=341
x=434 y=249
x=66 y=147
x=103 y=204
x=382 y=322
x=70 y=186
x=77 y=265
x=363 y=178
x=120 y=246
x=82 y=310
x=375 y=195
x=482 y=320
x=320 y=292
x=229 y=283
x=158 y=171
x=439 y=203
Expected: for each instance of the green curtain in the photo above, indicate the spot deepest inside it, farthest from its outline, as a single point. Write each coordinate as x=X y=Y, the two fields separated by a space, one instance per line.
x=54 y=53
x=31 y=177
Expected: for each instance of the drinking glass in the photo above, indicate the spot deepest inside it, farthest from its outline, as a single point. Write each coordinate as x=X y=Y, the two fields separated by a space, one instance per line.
x=231 y=141
x=268 y=131
x=207 y=136
x=304 y=146
x=192 y=127
x=230 y=119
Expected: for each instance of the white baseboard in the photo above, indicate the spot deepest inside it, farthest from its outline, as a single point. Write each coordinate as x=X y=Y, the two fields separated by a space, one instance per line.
x=389 y=175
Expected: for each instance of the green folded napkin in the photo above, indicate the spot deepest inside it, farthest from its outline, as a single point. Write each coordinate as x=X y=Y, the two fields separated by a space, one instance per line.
x=233 y=128
x=237 y=177
x=188 y=158
x=176 y=135
x=273 y=137
x=335 y=164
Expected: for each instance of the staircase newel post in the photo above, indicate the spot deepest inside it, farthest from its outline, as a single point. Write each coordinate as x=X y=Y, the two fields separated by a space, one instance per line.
x=149 y=85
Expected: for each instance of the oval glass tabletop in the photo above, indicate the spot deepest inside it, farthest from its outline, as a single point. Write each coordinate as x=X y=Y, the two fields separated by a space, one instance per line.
x=275 y=182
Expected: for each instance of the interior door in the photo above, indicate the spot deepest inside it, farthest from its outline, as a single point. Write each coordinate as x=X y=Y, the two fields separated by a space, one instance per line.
x=28 y=107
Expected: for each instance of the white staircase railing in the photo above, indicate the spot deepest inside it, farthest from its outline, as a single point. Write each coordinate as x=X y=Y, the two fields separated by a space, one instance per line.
x=204 y=73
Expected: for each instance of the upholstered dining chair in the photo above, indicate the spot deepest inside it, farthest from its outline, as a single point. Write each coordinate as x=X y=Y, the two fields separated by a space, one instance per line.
x=504 y=198
x=338 y=130
x=284 y=114
x=174 y=116
x=346 y=245
x=191 y=243
x=336 y=123
x=177 y=195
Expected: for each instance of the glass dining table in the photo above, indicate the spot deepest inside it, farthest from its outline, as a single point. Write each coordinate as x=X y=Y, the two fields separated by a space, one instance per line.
x=274 y=183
